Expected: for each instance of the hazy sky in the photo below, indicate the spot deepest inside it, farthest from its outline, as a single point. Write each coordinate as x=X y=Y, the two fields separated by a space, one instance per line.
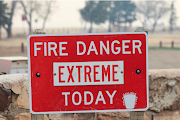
x=66 y=14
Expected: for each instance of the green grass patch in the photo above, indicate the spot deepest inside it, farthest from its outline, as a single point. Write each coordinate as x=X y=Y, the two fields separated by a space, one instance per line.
x=163 y=48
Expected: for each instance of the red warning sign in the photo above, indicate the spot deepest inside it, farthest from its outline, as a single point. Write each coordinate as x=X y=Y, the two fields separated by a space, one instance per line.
x=76 y=73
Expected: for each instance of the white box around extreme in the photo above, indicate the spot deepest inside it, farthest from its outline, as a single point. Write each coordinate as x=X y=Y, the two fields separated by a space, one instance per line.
x=88 y=73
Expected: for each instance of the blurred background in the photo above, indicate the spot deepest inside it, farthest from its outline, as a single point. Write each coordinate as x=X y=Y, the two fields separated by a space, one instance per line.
x=161 y=18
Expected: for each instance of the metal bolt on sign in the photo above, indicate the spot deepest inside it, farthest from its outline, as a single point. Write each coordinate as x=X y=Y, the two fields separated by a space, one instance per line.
x=138 y=71
x=38 y=74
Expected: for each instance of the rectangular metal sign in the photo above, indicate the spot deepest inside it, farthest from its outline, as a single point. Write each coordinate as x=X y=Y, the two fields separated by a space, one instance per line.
x=76 y=73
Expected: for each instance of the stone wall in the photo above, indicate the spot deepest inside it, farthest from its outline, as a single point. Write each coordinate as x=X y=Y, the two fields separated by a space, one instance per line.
x=164 y=99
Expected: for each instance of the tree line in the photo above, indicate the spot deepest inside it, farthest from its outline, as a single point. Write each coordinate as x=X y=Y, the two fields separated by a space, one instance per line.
x=119 y=13
x=29 y=8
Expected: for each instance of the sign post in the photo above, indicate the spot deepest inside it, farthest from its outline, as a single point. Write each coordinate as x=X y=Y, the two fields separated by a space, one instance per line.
x=79 y=73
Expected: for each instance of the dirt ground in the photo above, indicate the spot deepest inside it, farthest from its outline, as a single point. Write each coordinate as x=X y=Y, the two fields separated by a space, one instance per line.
x=158 y=59
x=164 y=59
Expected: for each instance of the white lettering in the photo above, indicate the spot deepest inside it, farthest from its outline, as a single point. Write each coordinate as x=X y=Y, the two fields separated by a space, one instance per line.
x=66 y=99
x=61 y=48
x=85 y=98
x=92 y=47
x=73 y=98
x=84 y=48
x=137 y=46
x=52 y=48
x=117 y=48
x=100 y=98
x=35 y=47
x=102 y=46
x=45 y=49
x=125 y=46
x=111 y=96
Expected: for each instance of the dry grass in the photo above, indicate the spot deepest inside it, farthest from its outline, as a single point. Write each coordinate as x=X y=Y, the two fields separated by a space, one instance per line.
x=154 y=40
x=11 y=50
x=13 y=42
x=158 y=59
x=13 y=45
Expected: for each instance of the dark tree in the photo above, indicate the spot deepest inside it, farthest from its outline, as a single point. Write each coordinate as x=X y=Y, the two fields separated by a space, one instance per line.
x=121 y=12
x=144 y=11
x=95 y=12
x=45 y=10
x=4 y=16
x=152 y=11
x=112 y=14
x=129 y=16
x=29 y=8
x=159 y=11
x=173 y=17
x=8 y=28
x=118 y=11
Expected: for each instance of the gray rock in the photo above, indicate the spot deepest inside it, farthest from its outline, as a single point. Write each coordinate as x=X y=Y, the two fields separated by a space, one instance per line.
x=14 y=97
x=171 y=83
x=13 y=80
x=72 y=116
x=113 y=116
x=164 y=90
x=167 y=115
x=13 y=111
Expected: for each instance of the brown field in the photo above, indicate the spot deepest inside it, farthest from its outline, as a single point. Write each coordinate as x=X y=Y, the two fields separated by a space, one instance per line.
x=154 y=40
x=158 y=59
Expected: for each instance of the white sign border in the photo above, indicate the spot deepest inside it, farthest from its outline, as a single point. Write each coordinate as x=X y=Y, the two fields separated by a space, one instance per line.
x=86 y=111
